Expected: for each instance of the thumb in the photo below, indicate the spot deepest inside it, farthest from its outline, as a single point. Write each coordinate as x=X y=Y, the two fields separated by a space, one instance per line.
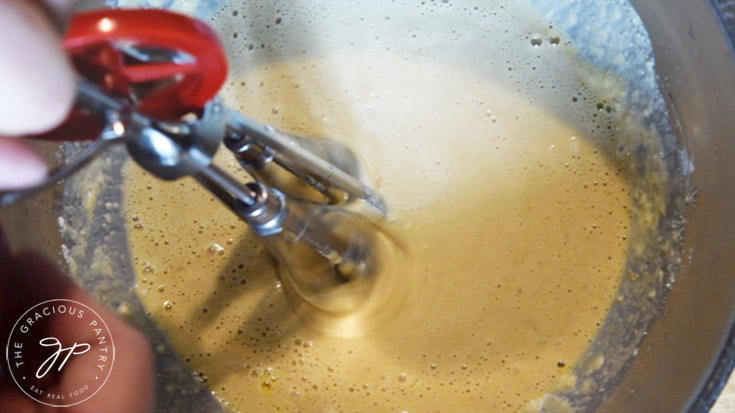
x=35 y=76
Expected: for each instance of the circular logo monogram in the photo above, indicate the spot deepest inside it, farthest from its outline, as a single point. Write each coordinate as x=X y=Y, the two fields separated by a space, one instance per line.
x=60 y=353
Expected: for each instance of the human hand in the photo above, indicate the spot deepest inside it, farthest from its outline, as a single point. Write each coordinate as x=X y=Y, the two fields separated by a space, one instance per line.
x=38 y=88
x=27 y=279
x=37 y=83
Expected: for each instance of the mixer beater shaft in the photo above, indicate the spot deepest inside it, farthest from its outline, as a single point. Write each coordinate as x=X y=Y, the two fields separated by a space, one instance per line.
x=341 y=241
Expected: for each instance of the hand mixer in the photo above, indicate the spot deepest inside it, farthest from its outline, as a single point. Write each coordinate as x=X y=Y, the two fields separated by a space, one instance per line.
x=149 y=79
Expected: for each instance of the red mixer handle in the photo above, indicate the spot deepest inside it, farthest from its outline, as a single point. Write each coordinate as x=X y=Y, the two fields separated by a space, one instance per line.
x=95 y=41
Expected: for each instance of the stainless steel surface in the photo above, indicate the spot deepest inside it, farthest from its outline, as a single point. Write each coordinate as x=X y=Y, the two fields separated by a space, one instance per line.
x=295 y=154
x=327 y=256
x=688 y=351
x=174 y=150
x=319 y=247
x=225 y=187
x=267 y=214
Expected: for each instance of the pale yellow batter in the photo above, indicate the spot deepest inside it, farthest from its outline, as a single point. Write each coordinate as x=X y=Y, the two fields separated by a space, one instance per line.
x=514 y=226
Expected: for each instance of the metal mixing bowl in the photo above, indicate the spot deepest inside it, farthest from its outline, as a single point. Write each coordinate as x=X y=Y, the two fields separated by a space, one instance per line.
x=687 y=350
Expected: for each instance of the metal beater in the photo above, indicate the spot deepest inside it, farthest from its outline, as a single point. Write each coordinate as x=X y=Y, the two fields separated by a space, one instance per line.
x=319 y=244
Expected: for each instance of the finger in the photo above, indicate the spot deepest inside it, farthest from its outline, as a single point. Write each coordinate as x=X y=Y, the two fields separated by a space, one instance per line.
x=12 y=400
x=61 y=10
x=57 y=12
x=129 y=388
x=20 y=165
x=35 y=75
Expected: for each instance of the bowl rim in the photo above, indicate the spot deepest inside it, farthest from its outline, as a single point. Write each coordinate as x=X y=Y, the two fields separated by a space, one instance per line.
x=724 y=11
